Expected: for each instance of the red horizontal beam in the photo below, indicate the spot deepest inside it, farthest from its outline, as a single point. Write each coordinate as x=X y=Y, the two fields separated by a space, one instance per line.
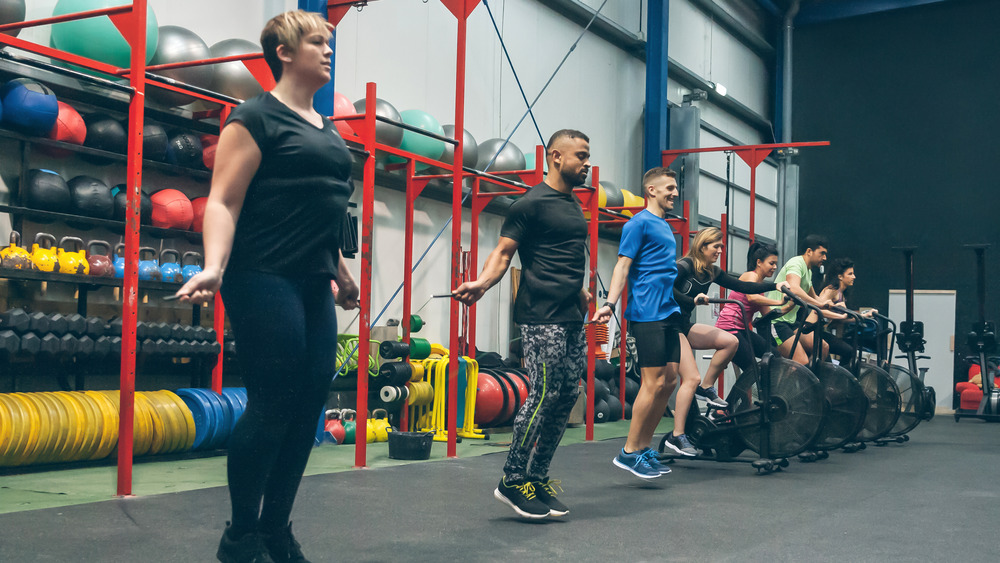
x=201 y=62
x=58 y=55
x=67 y=17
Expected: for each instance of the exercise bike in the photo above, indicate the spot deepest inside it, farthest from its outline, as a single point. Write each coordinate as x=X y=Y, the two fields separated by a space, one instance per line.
x=775 y=410
x=911 y=341
x=884 y=404
x=846 y=401
x=983 y=341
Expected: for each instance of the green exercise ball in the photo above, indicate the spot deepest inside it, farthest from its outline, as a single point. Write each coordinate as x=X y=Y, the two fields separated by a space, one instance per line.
x=420 y=144
x=97 y=38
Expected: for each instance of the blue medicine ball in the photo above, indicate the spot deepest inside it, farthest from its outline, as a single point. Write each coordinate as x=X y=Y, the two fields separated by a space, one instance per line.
x=31 y=107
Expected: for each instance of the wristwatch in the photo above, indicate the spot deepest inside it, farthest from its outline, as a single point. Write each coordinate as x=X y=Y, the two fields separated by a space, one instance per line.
x=609 y=304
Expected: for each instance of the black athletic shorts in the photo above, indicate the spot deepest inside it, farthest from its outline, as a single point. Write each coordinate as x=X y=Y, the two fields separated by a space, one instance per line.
x=658 y=342
x=783 y=331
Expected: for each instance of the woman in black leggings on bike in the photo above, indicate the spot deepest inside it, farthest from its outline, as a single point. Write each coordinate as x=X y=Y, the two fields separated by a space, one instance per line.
x=762 y=262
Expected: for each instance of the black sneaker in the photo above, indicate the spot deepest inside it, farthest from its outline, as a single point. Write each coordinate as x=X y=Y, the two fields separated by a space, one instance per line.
x=545 y=490
x=522 y=498
x=711 y=395
x=681 y=445
x=283 y=547
x=248 y=549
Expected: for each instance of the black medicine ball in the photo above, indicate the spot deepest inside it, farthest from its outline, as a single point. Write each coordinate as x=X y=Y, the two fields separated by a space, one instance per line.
x=106 y=134
x=91 y=197
x=47 y=191
x=185 y=150
x=121 y=204
x=154 y=142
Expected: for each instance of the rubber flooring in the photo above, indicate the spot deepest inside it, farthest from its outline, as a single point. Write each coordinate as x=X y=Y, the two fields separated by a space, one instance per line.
x=933 y=498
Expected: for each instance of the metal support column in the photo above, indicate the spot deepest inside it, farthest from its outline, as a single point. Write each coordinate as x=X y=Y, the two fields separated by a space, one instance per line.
x=656 y=127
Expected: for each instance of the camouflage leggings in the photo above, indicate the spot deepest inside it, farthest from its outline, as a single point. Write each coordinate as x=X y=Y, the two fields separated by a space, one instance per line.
x=556 y=359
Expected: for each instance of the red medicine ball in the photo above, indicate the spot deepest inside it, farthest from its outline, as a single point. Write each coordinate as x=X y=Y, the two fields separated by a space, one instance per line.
x=172 y=210
x=69 y=128
x=198 y=205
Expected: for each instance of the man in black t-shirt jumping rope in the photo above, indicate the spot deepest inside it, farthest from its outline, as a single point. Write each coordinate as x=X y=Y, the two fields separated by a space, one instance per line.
x=547 y=229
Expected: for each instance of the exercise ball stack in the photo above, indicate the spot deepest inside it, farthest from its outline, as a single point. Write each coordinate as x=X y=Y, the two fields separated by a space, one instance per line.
x=420 y=144
x=385 y=133
x=177 y=44
x=97 y=38
x=11 y=11
x=69 y=128
x=29 y=107
x=509 y=158
x=233 y=78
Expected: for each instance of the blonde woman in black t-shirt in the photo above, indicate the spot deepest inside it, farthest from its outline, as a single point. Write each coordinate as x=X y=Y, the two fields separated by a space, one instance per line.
x=272 y=229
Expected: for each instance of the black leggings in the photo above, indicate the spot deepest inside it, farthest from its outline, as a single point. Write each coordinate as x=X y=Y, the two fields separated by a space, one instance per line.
x=748 y=352
x=840 y=347
x=286 y=339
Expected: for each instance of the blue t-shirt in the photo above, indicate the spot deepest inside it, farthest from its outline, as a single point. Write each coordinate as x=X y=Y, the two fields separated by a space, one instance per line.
x=649 y=241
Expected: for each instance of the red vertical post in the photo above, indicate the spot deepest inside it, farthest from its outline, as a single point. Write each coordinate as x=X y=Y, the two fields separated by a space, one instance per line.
x=461 y=11
x=364 y=329
x=130 y=294
x=591 y=329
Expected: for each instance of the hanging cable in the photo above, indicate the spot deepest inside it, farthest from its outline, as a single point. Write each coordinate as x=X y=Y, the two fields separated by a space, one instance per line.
x=541 y=140
x=467 y=194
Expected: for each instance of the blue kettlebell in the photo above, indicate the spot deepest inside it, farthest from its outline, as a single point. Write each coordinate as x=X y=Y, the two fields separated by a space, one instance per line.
x=149 y=270
x=120 y=260
x=189 y=271
x=170 y=271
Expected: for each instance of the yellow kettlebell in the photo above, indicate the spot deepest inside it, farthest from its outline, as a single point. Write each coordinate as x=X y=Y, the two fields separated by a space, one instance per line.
x=45 y=258
x=381 y=424
x=14 y=256
x=72 y=261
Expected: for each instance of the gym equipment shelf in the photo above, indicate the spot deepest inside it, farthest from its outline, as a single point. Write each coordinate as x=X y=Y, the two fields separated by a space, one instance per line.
x=110 y=224
x=90 y=281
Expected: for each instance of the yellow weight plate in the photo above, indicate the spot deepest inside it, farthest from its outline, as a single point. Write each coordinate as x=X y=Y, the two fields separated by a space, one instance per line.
x=78 y=417
x=58 y=426
x=94 y=426
x=12 y=433
x=174 y=430
x=109 y=422
x=185 y=414
x=156 y=428
x=23 y=430
x=67 y=418
x=40 y=421
x=142 y=424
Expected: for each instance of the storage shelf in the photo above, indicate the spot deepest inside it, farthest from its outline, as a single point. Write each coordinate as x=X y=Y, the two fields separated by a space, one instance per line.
x=90 y=281
x=116 y=226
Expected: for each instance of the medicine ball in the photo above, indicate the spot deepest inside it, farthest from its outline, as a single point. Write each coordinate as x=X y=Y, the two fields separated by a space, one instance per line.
x=198 y=207
x=69 y=128
x=172 y=210
x=29 y=107
x=47 y=191
x=121 y=204
x=106 y=134
x=184 y=149
x=154 y=142
x=91 y=197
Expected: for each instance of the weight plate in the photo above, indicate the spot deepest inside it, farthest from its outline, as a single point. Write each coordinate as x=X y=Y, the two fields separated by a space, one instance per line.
x=234 y=407
x=188 y=420
x=109 y=424
x=226 y=415
x=153 y=432
x=201 y=411
x=420 y=348
x=64 y=425
x=220 y=428
x=91 y=426
x=58 y=430
x=14 y=439
x=29 y=416
x=172 y=430
x=86 y=433
x=42 y=421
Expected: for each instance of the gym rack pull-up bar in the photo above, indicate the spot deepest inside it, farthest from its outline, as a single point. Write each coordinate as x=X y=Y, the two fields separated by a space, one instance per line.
x=753 y=155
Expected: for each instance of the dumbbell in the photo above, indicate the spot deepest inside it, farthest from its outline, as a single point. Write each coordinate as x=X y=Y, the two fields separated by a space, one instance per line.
x=50 y=346
x=10 y=343
x=30 y=343
x=85 y=347
x=16 y=320
x=38 y=323
x=58 y=324
x=230 y=347
x=76 y=324
x=102 y=347
x=95 y=327
x=212 y=336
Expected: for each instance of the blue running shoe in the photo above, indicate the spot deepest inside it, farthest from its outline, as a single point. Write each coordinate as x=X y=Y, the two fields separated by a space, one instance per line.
x=653 y=458
x=680 y=444
x=637 y=463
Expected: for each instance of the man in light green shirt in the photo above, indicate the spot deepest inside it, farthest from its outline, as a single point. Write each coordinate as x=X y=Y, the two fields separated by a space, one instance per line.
x=798 y=273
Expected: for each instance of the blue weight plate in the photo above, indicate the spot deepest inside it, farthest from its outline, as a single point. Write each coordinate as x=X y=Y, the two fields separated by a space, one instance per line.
x=234 y=407
x=201 y=411
x=220 y=415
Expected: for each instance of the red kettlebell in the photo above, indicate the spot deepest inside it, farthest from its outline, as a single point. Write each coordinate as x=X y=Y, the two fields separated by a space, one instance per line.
x=334 y=426
x=100 y=262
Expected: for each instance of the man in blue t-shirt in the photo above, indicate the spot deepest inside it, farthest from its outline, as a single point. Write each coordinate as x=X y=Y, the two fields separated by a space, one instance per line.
x=647 y=259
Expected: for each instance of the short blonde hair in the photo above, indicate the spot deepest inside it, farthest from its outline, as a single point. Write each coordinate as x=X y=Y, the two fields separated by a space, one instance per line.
x=708 y=235
x=288 y=29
